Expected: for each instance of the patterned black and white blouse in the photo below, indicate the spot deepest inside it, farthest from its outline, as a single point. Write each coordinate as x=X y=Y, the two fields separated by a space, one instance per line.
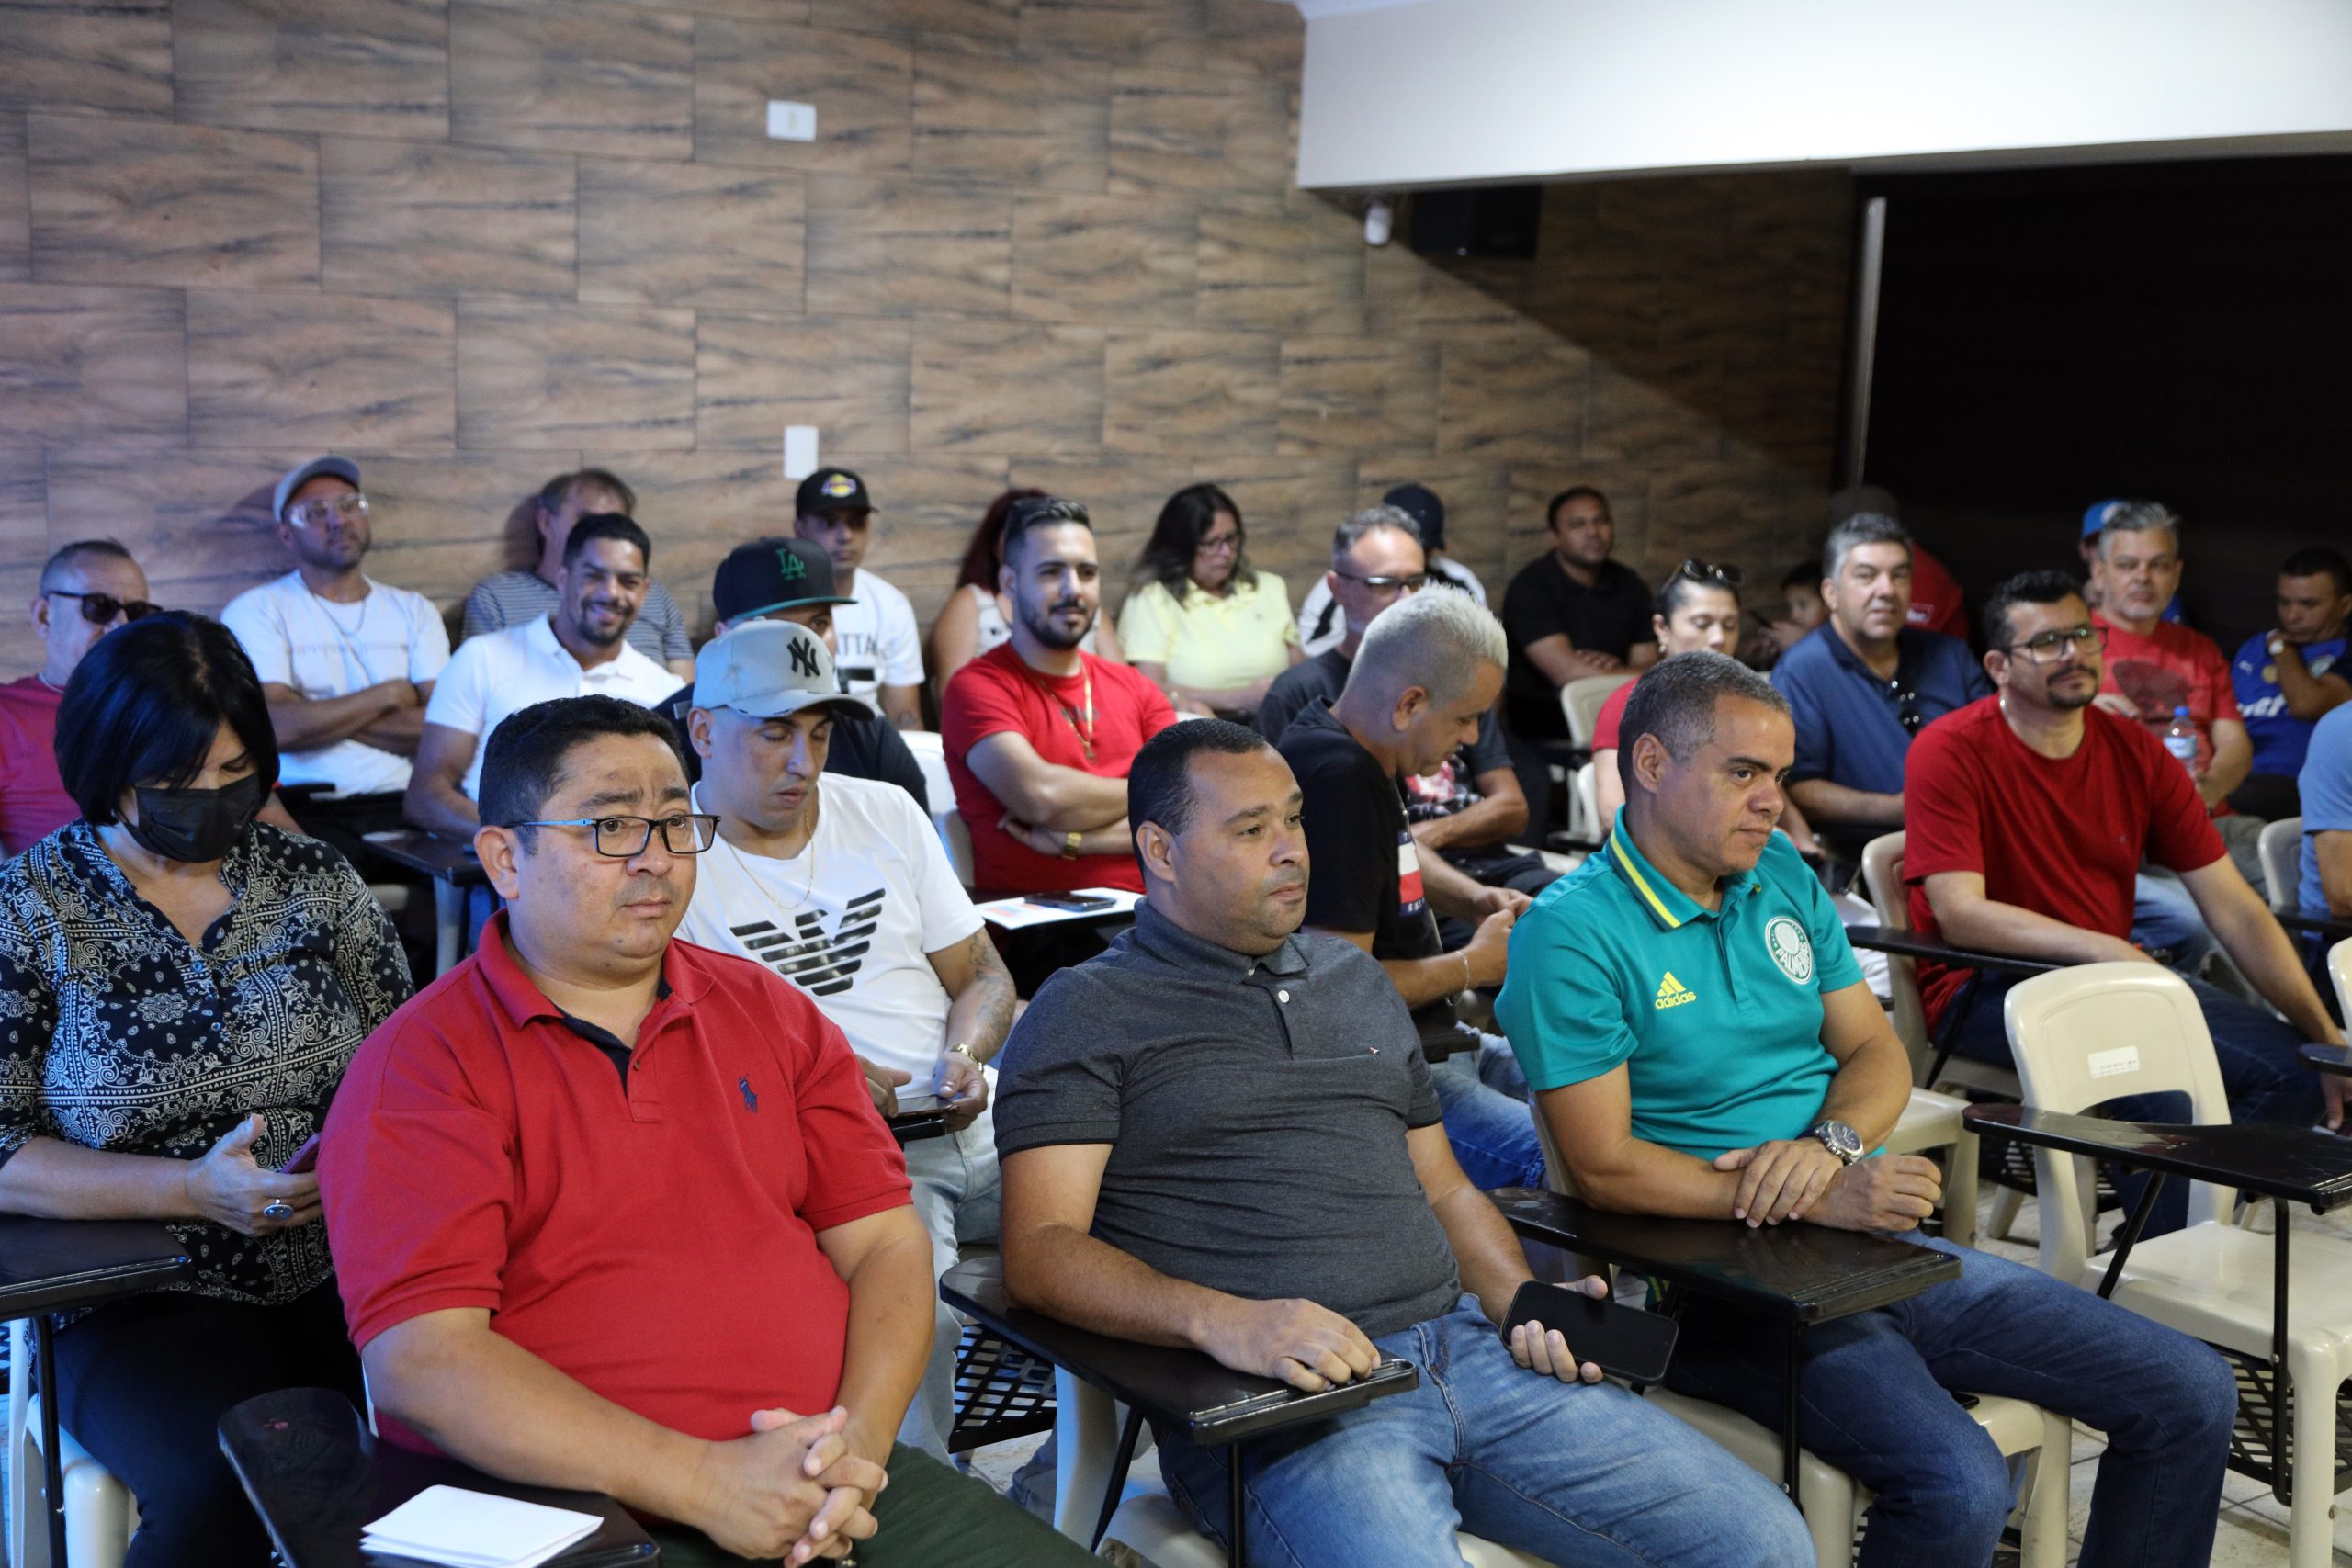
x=118 y=1034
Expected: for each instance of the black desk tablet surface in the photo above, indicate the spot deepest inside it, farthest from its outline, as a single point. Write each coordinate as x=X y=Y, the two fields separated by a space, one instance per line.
x=452 y=860
x=318 y=1477
x=1911 y=945
x=1180 y=1388
x=2295 y=1165
x=1798 y=1273
x=2334 y=1059
x=55 y=1266
x=60 y=1265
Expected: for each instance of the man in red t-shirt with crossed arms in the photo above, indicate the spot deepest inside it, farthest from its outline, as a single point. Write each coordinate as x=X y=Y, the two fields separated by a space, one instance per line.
x=2027 y=815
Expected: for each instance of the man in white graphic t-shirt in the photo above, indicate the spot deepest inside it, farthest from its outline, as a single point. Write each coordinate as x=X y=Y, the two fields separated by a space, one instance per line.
x=841 y=885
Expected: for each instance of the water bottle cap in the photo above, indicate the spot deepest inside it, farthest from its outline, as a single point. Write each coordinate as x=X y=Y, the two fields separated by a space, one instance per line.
x=2181 y=712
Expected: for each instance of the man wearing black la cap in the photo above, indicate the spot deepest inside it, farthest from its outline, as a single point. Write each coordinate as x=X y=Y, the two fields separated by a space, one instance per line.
x=1322 y=626
x=792 y=580
x=874 y=635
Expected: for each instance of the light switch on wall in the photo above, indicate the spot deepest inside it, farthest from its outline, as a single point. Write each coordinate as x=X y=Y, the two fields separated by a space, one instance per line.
x=799 y=451
x=788 y=122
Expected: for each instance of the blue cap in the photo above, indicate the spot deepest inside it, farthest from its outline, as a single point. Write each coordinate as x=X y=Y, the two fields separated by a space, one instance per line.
x=2095 y=519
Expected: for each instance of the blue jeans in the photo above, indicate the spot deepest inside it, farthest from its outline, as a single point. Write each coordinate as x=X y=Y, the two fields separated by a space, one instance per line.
x=1483 y=1096
x=1874 y=1403
x=2260 y=1058
x=1582 y=1476
x=2165 y=919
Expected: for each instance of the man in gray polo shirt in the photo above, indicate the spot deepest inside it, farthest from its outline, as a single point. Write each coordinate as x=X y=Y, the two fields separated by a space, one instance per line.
x=1221 y=1135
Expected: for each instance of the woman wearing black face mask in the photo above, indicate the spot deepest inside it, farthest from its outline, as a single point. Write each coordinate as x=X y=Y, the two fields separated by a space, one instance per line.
x=180 y=990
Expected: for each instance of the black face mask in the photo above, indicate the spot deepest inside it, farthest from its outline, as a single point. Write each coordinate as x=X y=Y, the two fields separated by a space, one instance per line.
x=195 y=824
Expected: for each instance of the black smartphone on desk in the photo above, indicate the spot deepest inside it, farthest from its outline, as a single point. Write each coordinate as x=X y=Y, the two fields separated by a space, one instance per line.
x=1076 y=903
x=1626 y=1342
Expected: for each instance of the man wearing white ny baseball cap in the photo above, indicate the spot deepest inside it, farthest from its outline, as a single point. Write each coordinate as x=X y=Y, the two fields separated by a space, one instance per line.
x=841 y=885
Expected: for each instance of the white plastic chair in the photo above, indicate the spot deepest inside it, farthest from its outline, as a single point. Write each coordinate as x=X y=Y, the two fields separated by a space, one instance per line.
x=100 y=1512
x=2280 y=850
x=1831 y=1500
x=1582 y=699
x=1148 y=1521
x=2096 y=1031
x=2339 y=969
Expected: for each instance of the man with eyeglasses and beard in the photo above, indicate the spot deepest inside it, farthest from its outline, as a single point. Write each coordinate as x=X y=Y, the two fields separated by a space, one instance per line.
x=88 y=588
x=1864 y=682
x=2028 y=814
x=1038 y=732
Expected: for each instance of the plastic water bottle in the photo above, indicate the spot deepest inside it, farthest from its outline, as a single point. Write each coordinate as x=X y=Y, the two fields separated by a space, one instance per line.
x=2180 y=739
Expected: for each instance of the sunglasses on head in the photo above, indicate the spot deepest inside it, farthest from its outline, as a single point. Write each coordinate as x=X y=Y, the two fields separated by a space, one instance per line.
x=1710 y=572
x=100 y=609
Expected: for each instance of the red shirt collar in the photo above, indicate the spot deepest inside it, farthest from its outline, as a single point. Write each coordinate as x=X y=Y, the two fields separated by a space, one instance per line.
x=684 y=977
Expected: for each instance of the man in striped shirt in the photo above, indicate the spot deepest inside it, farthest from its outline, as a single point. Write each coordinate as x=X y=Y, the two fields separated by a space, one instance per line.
x=518 y=598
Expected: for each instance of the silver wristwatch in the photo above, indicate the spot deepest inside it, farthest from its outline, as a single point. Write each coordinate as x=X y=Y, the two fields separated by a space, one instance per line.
x=1839 y=1140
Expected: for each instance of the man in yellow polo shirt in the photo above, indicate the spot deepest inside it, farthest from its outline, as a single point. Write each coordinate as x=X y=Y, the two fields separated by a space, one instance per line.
x=1700 y=1043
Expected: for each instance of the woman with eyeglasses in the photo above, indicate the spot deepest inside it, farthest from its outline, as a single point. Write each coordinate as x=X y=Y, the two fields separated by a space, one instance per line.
x=1697 y=611
x=181 y=987
x=1203 y=624
x=978 y=616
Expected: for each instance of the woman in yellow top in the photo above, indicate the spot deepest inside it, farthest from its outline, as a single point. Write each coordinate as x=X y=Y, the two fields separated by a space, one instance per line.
x=1208 y=629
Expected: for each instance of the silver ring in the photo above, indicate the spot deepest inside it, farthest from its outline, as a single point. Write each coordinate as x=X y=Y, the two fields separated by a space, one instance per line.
x=277 y=1210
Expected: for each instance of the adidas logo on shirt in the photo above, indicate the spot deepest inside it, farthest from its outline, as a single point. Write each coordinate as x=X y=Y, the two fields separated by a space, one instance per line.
x=1673 y=993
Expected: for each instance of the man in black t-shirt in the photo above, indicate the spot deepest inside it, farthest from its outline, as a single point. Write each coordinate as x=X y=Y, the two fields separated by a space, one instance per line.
x=1570 y=613
x=792 y=580
x=1425 y=672
x=1469 y=808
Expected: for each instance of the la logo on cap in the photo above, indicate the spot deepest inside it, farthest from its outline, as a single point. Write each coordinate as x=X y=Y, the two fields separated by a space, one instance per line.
x=791 y=566
x=839 y=485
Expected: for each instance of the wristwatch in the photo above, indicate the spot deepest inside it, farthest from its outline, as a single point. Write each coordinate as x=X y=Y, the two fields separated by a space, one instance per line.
x=1839 y=1140
x=1069 y=845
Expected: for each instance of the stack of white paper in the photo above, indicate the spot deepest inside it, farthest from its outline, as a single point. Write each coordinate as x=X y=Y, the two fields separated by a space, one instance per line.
x=1013 y=914
x=474 y=1530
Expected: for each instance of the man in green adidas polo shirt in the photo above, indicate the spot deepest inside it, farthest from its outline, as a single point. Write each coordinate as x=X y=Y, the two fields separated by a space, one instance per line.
x=1700 y=1043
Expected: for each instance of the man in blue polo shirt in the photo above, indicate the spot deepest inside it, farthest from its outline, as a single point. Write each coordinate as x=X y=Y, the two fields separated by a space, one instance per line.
x=1865 y=682
x=1701 y=1044
x=2289 y=678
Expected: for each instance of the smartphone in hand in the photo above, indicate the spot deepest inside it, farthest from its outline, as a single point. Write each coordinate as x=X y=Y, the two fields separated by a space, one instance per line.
x=1624 y=1342
x=305 y=1160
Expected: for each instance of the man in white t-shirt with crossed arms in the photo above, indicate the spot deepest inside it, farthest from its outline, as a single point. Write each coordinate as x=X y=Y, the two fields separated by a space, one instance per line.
x=841 y=885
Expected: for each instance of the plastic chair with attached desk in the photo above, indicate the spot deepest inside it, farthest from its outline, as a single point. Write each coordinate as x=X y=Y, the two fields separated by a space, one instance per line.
x=100 y=1512
x=2090 y=1033
x=1831 y=1501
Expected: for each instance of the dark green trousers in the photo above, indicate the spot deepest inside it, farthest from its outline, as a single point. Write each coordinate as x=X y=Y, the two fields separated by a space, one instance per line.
x=929 y=1517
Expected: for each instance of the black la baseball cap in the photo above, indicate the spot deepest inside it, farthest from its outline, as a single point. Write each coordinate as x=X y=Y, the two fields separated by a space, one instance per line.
x=772 y=574
x=832 y=490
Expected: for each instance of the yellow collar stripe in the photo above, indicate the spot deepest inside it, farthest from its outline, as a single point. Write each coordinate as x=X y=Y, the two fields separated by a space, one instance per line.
x=1625 y=863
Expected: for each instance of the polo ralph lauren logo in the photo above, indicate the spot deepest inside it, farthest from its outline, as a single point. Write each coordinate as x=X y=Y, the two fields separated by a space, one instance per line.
x=750 y=1100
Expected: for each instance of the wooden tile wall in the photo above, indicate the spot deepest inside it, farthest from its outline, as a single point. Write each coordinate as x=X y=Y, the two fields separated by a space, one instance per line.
x=473 y=242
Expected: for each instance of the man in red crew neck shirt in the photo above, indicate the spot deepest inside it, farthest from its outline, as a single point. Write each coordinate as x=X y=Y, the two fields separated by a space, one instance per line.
x=616 y=1213
x=91 y=576
x=2027 y=815
x=1038 y=732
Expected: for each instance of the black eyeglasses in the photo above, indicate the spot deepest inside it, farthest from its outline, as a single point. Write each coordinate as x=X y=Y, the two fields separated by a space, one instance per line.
x=100 y=609
x=1415 y=582
x=1709 y=571
x=2048 y=647
x=623 y=838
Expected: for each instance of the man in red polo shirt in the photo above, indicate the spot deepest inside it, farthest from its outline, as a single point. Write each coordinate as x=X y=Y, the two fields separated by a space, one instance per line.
x=617 y=1212
x=1038 y=732
x=86 y=590
x=2027 y=815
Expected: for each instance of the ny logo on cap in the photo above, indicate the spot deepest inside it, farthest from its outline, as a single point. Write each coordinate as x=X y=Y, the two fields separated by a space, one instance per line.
x=804 y=659
x=838 y=485
x=793 y=568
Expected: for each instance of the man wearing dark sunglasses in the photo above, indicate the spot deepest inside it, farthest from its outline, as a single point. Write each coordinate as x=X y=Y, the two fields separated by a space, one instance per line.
x=88 y=588
x=1864 y=682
